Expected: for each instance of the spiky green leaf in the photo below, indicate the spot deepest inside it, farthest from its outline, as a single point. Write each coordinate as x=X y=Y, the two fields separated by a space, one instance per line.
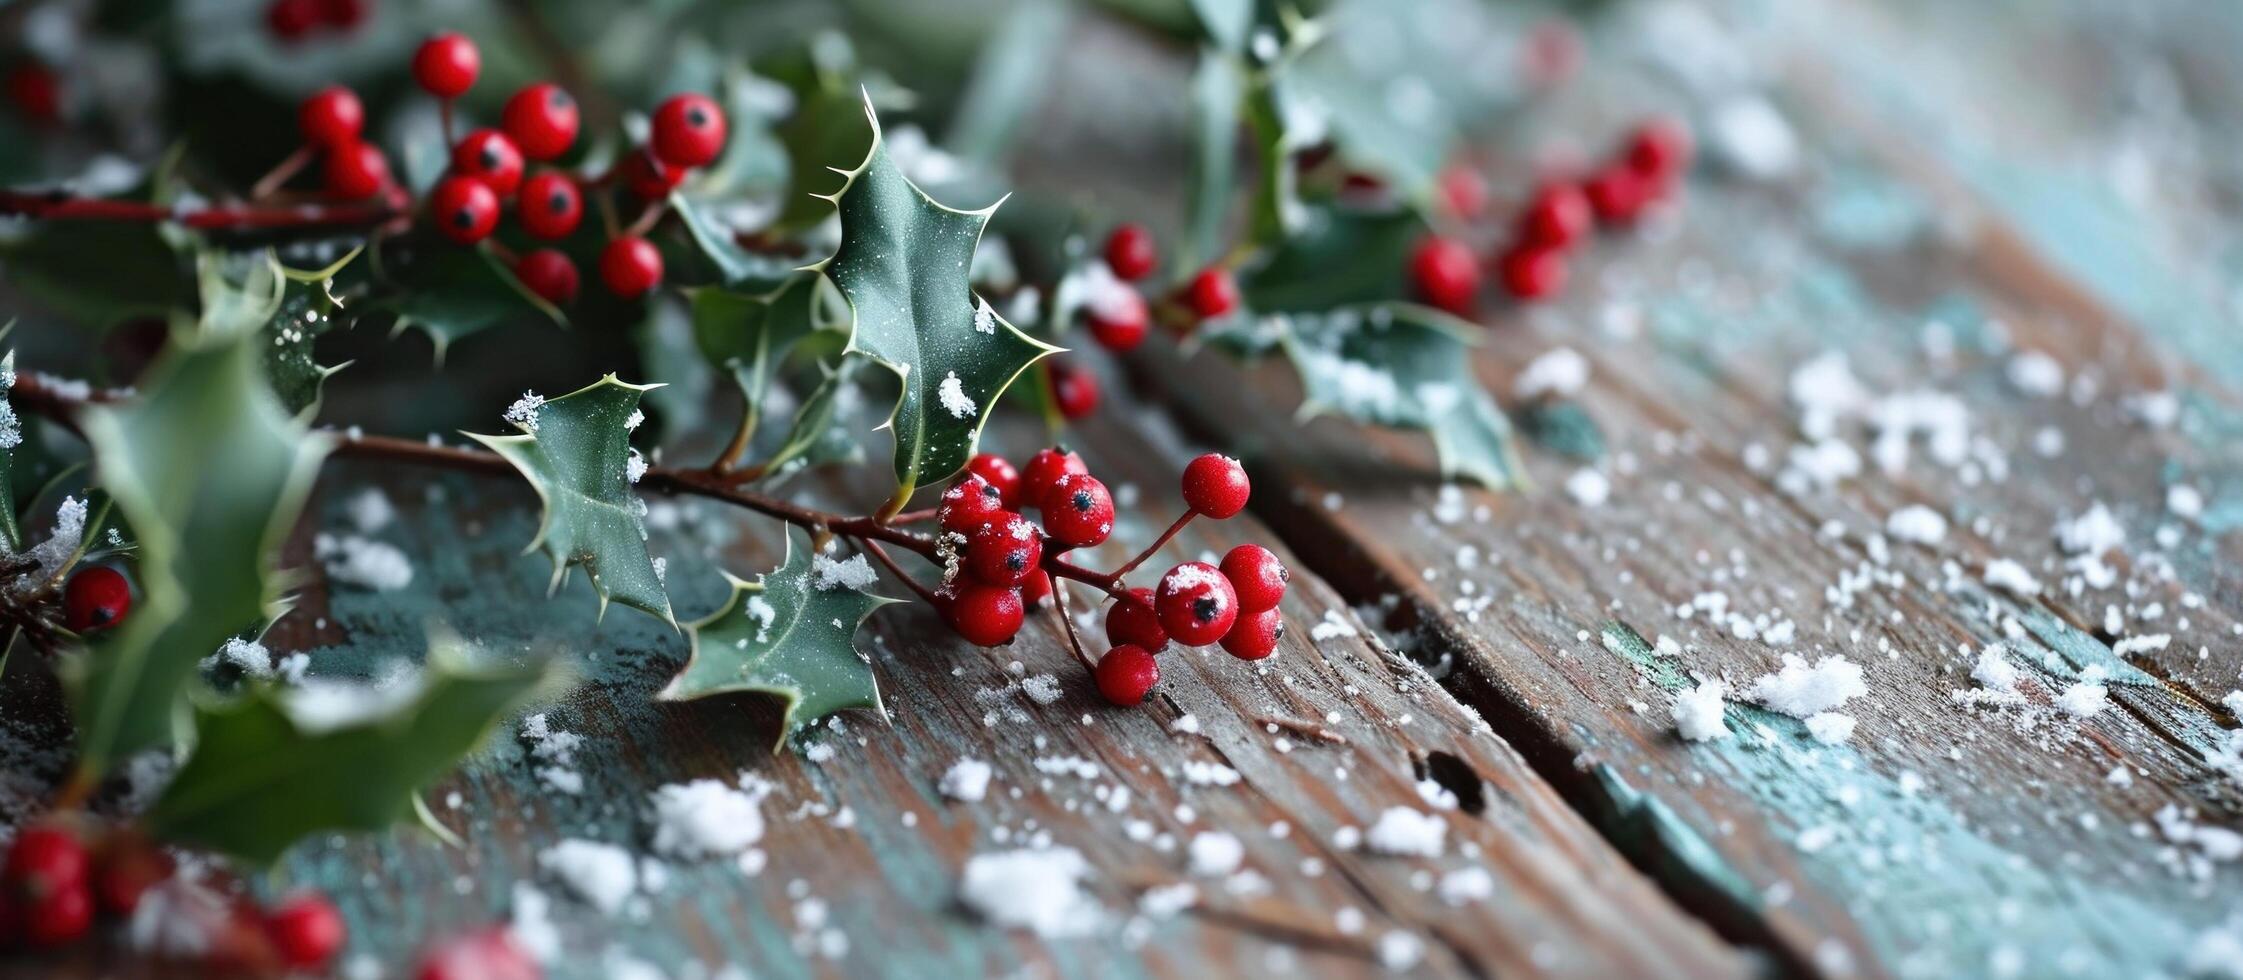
x=903 y=265
x=278 y=765
x=1406 y=367
x=450 y=295
x=715 y=256
x=791 y=633
x=210 y=469
x=576 y=452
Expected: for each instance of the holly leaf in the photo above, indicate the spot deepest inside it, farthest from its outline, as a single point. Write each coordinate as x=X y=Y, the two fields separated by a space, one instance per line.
x=1335 y=256
x=576 y=452
x=747 y=336
x=450 y=295
x=825 y=127
x=714 y=247
x=903 y=266
x=102 y=272
x=791 y=633
x=1405 y=367
x=278 y=765
x=1218 y=86
x=812 y=437
x=210 y=470
x=306 y=312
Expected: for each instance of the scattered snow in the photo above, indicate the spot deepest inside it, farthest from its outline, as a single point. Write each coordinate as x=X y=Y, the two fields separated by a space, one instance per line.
x=1040 y=891
x=370 y=510
x=1406 y=832
x=1830 y=727
x=855 y=573
x=2091 y=533
x=1802 y=691
x=2002 y=573
x=1994 y=670
x=602 y=874
x=2084 y=699
x=1467 y=885
x=967 y=780
x=1753 y=138
x=705 y=818
x=1588 y=487
x=2036 y=374
x=1698 y=712
x=1918 y=524
x=1559 y=373
x=1215 y=853
x=364 y=562
x=523 y=413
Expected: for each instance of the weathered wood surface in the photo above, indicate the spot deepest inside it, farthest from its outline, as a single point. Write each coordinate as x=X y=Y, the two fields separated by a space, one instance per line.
x=1941 y=840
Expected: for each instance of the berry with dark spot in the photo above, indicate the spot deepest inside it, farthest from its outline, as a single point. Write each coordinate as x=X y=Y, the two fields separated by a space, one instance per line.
x=96 y=598
x=1044 y=471
x=464 y=209
x=541 y=119
x=1255 y=635
x=1000 y=474
x=1196 y=604
x=1126 y=674
x=1004 y=550
x=688 y=130
x=1078 y=512
x=968 y=504
x=486 y=154
x=1216 y=486
x=551 y=205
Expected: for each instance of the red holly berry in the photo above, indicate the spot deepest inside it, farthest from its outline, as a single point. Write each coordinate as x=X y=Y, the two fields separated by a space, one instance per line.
x=464 y=209
x=549 y=274
x=1464 y=191
x=343 y=15
x=1045 y=470
x=1000 y=474
x=1557 y=216
x=1119 y=319
x=968 y=504
x=1213 y=293
x=1257 y=576
x=1126 y=674
x=688 y=130
x=648 y=177
x=1659 y=150
x=331 y=117
x=1078 y=512
x=486 y=954
x=34 y=91
x=541 y=119
x=1004 y=550
x=446 y=65
x=1036 y=589
x=291 y=20
x=630 y=266
x=1618 y=194
x=1255 y=635
x=42 y=860
x=355 y=170
x=487 y=154
x=1216 y=486
x=1196 y=604
x=986 y=615
x=1531 y=273
x=1074 y=390
x=97 y=597
x=550 y=205
x=1130 y=252
x=306 y=931
x=1447 y=274
x=58 y=918
x=1133 y=622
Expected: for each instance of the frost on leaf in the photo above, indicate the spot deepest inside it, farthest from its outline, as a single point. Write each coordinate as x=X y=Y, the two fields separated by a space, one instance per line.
x=792 y=634
x=576 y=452
x=903 y=266
x=1404 y=367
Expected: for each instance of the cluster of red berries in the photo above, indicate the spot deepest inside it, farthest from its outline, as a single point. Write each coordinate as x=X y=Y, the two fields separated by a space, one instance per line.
x=490 y=168
x=1119 y=316
x=1556 y=220
x=292 y=21
x=53 y=885
x=1000 y=558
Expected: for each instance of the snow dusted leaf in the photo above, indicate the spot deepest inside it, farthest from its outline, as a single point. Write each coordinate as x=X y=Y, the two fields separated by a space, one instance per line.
x=210 y=470
x=450 y=296
x=791 y=633
x=576 y=452
x=903 y=266
x=277 y=765
x=1406 y=367
x=306 y=312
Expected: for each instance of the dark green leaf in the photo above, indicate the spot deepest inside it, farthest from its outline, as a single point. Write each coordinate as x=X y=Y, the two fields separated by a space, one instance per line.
x=307 y=311
x=746 y=336
x=1007 y=82
x=210 y=470
x=451 y=293
x=903 y=266
x=1405 y=367
x=277 y=765
x=791 y=633
x=1336 y=257
x=727 y=262
x=1217 y=88
x=576 y=451
x=813 y=438
x=828 y=125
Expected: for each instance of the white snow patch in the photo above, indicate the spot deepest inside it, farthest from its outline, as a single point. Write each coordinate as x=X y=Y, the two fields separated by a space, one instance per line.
x=1802 y=691
x=967 y=780
x=1403 y=831
x=600 y=873
x=1698 y=712
x=705 y=818
x=1040 y=891
x=952 y=393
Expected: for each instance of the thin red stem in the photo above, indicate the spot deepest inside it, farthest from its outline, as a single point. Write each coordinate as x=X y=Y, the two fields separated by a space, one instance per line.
x=288 y=167
x=880 y=555
x=1159 y=543
x=58 y=206
x=1060 y=568
x=1067 y=621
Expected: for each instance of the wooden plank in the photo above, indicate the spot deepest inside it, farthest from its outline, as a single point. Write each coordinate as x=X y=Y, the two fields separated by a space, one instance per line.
x=1940 y=839
x=863 y=855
